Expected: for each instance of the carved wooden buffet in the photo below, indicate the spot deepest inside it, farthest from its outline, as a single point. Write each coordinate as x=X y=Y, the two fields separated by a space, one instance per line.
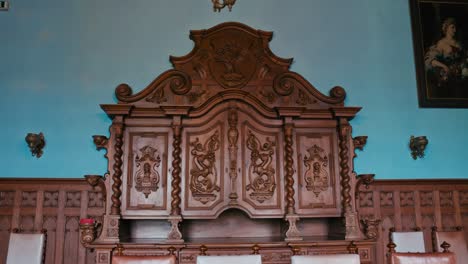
x=229 y=153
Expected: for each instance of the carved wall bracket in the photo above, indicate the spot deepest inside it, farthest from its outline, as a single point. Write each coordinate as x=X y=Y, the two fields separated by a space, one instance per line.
x=418 y=146
x=365 y=179
x=97 y=181
x=371 y=227
x=89 y=230
x=359 y=142
x=36 y=143
x=217 y=6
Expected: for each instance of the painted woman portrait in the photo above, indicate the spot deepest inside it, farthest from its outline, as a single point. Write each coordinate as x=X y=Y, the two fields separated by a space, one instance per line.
x=446 y=64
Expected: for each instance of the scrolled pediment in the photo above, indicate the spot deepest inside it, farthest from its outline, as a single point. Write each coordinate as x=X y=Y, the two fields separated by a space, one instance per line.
x=230 y=61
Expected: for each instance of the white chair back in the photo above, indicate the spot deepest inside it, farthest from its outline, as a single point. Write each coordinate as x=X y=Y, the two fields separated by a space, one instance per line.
x=25 y=248
x=327 y=259
x=412 y=242
x=241 y=259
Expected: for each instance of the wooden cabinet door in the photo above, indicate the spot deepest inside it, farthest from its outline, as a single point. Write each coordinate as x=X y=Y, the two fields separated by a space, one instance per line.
x=232 y=159
x=146 y=185
x=317 y=176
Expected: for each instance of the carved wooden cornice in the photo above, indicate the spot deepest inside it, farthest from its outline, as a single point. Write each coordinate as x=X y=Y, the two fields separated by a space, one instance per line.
x=230 y=61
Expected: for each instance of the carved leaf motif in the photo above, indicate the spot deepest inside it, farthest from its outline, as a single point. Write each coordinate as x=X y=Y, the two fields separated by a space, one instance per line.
x=203 y=175
x=261 y=172
x=446 y=199
x=147 y=177
x=406 y=199
x=6 y=198
x=95 y=199
x=464 y=198
x=157 y=97
x=366 y=199
x=51 y=199
x=386 y=199
x=316 y=175
x=73 y=199
x=426 y=198
x=29 y=199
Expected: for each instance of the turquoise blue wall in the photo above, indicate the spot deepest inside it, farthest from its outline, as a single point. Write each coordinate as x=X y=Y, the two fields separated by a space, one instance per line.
x=60 y=59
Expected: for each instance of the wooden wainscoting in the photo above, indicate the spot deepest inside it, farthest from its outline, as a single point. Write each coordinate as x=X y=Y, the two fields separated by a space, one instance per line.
x=58 y=204
x=53 y=204
x=415 y=204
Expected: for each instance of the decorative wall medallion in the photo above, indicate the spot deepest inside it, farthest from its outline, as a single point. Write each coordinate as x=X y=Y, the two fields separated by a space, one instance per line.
x=203 y=175
x=232 y=64
x=261 y=172
x=147 y=177
x=316 y=175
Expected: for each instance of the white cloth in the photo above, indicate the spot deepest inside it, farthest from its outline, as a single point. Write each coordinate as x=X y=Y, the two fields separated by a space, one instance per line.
x=25 y=248
x=409 y=242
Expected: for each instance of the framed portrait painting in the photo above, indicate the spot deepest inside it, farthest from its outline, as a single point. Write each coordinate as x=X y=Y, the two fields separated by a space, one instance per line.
x=440 y=36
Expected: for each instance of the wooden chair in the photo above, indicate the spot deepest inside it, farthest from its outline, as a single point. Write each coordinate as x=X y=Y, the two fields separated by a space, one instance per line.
x=412 y=241
x=422 y=258
x=329 y=259
x=26 y=247
x=457 y=242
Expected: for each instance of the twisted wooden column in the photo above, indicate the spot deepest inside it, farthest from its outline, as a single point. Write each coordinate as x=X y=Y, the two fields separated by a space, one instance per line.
x=117 y=168
x=344 y=130
x=176 y=170
x=174 y=235
x=288 y=167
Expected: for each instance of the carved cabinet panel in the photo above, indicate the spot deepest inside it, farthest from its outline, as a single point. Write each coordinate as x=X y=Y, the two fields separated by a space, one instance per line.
x=317 y=170
x=146 y=184
x=232 y=161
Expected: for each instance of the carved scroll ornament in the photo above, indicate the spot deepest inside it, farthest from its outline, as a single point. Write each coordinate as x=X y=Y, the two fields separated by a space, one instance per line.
x=261 y=172
x=147 y=177
x=203 y=175
x=316 y=175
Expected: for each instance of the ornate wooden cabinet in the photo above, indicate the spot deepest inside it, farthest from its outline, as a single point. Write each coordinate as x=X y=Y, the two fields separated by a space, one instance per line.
x=229 y=152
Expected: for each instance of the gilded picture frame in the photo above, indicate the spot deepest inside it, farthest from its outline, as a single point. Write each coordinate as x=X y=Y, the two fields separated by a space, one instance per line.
x=440 y=39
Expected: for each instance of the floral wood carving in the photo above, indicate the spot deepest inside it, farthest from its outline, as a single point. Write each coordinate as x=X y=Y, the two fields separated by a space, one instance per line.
x=316 y=175
x=261 y=172
x=147 y=177
x=203 y=173
x=233 y=136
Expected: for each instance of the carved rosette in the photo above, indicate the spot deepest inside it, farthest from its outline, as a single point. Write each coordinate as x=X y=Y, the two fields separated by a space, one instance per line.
x=147 y=177
x=261 y=172
x=316 y=175
x=203 y=175
x=233 y=136
x=117 y=167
